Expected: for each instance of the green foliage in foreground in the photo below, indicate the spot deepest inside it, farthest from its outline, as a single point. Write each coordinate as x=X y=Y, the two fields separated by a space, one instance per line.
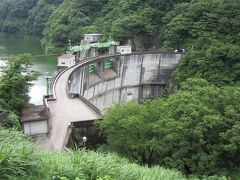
x=196 y=130
x=20 y=159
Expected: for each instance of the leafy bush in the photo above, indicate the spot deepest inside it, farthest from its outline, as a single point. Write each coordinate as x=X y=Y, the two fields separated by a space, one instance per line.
x=195 y=130
x=15 y=82
x=128 y=128
x=11 y=121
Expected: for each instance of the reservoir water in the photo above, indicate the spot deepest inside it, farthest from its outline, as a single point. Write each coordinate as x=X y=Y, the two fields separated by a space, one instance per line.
x=11 y=45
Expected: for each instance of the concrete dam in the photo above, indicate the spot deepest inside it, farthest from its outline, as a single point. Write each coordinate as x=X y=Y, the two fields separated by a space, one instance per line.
x=80 y=93
x=133 y=76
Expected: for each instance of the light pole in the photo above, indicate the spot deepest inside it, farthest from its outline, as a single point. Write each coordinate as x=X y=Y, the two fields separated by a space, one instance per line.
x=84 y=140
x=69 y=44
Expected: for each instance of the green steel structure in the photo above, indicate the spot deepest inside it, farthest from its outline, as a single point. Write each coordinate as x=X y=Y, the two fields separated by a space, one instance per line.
x=108 y=64
x=91 y=68
x=74 y=49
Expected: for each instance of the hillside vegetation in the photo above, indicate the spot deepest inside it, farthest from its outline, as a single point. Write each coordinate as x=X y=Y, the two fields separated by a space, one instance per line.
x=13 y=14
x=147 y=24
x=135 y=20
x=194 y=128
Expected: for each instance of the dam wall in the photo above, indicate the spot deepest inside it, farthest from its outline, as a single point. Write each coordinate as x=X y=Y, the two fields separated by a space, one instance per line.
x=131 y=77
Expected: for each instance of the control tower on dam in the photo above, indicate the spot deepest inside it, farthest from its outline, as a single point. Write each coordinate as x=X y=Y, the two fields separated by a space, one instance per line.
x=123 y=77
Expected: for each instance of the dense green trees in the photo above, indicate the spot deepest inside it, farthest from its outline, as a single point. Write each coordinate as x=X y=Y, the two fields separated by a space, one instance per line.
x=15 y=82
x=67 y=23
x=199 y=22
x=39 y=15
x=128 y=128
x=211 y=29
x=218 y=63
x=13 y=14
x=163 y=23
x=195 y=130
x=136 y=20
x=26 y=16
x=11 y=121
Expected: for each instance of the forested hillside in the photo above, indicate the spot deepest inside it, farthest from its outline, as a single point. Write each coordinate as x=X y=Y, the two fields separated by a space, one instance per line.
x=13 y=14
x=138 y=21
x=39 y=14
x=25 y=16
x=195 y=127
x=135 y=20
x=161 y=24
x=212 y=30
x=69 y=21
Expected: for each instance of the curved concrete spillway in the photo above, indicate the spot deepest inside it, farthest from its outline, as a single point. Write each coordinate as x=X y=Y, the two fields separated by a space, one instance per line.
x=133 y=76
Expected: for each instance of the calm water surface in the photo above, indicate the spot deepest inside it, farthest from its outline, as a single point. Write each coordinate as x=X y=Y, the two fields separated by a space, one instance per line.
x=11 y=45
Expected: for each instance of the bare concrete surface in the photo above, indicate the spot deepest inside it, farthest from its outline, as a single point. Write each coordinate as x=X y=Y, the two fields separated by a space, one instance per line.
x=43 y=141
x=144 y=75
x=94 y=78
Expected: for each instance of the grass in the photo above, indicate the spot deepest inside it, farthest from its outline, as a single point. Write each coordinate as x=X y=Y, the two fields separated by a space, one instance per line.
x=21 y=159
